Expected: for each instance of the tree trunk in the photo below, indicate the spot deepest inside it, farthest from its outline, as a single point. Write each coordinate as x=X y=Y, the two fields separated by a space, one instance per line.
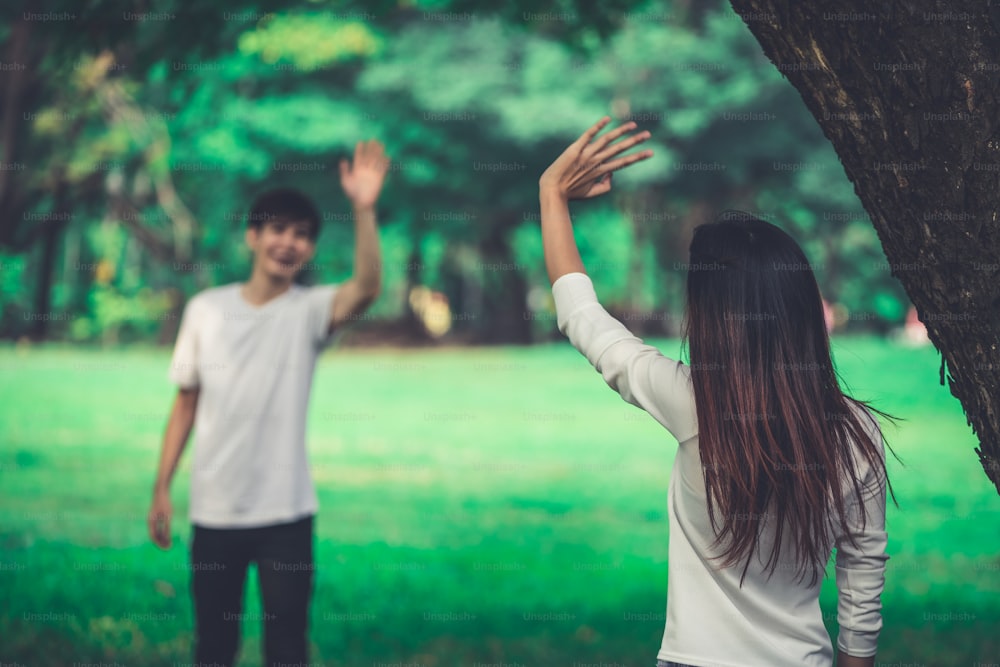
x=51 y=231
x=505 y=290
x=909 y=97
x=18 y=92
x=414 y=278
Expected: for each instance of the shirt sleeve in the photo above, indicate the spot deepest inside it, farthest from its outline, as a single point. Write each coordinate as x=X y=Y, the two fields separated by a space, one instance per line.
x=640 y=373
x=861 y=566
x=184 y=364
x=320 y=305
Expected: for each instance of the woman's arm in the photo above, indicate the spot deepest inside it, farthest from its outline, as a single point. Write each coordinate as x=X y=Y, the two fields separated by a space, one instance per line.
x=561 y=253
x=638 y=372
x=581 y=172
x=860 y=572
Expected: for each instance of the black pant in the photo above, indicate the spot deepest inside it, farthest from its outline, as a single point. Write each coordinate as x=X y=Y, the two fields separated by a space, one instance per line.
x=219 y=561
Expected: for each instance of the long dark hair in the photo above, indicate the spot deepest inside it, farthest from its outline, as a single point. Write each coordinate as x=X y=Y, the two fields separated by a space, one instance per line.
x=778 y=438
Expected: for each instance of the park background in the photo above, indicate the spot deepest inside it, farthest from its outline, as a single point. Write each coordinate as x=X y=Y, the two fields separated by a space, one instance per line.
x=484 y=497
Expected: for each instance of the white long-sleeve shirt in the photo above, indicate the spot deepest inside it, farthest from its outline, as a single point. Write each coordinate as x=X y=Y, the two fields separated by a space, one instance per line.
x=711 y=620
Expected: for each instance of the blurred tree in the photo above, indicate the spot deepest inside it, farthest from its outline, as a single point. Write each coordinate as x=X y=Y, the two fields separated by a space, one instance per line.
x=171 y=137
x=909 y=96
x=68 y=129
x=727 y=129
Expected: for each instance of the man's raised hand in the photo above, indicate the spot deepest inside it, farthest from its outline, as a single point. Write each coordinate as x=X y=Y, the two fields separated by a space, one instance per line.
x=362 y=179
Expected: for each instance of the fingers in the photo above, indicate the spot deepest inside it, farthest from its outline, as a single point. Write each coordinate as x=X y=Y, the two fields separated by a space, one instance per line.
x=377 y=155
x=164 y=533
x=156 y=531
x=601 y=142
x=159 y=527
x=589 y=135
x=370 y=154
x=621 y=146
x=615 y=165
x=601 y=186
x=372 y=150
x=596 y=155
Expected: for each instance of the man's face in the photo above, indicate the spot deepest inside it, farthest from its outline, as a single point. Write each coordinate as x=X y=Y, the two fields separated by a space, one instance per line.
x=281 y=248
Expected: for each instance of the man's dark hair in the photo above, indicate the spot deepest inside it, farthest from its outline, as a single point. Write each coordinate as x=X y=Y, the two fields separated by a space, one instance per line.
x=286 y=205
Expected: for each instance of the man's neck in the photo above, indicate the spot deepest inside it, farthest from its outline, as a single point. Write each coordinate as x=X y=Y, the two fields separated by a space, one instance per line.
x=262 y=288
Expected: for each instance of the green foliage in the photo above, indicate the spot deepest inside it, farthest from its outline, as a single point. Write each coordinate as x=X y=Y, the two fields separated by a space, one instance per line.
x=310 y=123
x=115 y=315
x=308 y=41
x=472 y=106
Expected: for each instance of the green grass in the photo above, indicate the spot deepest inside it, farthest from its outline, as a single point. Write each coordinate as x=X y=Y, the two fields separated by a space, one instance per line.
x=463 y=493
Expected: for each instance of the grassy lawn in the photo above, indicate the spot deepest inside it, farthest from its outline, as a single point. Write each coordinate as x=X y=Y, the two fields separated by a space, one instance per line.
x=499 y=506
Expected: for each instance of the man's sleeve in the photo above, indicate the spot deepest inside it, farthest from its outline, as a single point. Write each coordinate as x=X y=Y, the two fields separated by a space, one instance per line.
x=640 y=373
x=184 y=364
x=320 y=306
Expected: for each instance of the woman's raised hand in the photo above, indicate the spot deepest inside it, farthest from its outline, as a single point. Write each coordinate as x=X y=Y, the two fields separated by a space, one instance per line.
x=584 y=169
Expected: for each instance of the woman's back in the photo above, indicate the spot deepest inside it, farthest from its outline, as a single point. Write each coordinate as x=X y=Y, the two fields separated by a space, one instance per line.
x=774 y=617
x=776 y=465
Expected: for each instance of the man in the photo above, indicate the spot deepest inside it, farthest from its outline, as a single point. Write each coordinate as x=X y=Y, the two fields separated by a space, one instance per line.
x=243 y=363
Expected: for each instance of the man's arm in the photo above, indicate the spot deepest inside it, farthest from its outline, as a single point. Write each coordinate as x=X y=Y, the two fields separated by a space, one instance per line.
x=356 y=294
x=174 y=440
x=362 y=183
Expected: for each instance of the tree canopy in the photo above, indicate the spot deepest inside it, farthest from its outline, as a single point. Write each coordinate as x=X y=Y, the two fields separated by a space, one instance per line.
x=148 y=132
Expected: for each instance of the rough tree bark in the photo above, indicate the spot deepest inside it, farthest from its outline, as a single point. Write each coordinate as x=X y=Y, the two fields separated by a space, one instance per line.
x=908 y=93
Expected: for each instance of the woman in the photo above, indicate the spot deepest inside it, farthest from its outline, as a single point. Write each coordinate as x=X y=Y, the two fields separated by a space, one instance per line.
x=774 y=468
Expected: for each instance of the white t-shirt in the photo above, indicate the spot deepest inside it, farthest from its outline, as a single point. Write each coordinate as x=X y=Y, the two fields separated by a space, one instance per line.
x=710 y=620
x=254 y=366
